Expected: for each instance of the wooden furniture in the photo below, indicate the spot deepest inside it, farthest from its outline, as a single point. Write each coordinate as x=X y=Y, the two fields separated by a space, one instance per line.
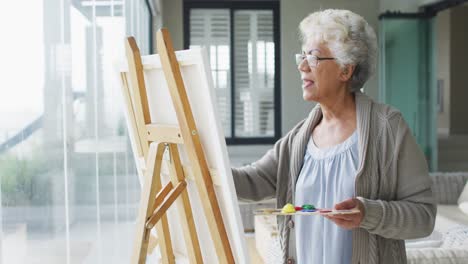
x=157 y=145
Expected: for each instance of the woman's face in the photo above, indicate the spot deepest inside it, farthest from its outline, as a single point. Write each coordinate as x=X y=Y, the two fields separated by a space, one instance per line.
x=322 y=81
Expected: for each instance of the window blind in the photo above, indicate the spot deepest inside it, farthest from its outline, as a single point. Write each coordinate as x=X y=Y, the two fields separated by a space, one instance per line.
x=254 y=66
x=254 y=73
x=210 y=28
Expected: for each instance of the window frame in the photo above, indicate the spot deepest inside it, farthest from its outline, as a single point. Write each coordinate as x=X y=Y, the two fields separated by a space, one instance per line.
x=151 y=25
x=233 y=5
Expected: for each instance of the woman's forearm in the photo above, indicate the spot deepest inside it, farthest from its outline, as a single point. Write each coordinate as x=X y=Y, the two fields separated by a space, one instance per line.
x=398 y=219
x=253 y=184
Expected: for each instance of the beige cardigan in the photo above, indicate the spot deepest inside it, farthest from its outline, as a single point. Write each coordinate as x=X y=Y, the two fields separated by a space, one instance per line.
x=392 y=182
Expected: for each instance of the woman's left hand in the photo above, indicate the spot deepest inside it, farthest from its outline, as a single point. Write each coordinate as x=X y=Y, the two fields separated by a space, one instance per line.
x=348 y=221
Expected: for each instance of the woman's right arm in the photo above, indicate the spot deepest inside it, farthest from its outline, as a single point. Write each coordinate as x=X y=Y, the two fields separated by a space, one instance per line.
x=257 y=181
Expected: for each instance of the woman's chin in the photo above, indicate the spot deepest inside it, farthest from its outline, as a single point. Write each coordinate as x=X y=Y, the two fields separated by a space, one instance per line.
x=308 y=96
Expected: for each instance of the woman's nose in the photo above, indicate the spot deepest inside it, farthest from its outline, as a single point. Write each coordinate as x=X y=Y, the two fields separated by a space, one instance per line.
x=303 y=66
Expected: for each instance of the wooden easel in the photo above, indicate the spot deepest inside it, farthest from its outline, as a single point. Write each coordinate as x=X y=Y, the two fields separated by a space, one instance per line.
x=151 y=141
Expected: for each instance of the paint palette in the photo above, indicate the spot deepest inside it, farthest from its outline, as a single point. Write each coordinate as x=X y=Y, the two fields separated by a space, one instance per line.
x=273 y=211
x=290 y=209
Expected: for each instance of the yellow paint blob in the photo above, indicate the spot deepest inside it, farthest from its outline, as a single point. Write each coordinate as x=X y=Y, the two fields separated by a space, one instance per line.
x=288 y=208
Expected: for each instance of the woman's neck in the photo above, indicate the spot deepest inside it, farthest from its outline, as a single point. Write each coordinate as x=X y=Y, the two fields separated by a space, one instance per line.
x=340 y=108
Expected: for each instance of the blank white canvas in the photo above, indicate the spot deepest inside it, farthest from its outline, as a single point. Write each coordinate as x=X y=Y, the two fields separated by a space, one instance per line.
x=196 y=73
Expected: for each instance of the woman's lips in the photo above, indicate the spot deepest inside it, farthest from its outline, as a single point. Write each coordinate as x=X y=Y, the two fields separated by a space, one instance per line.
x=306 y=83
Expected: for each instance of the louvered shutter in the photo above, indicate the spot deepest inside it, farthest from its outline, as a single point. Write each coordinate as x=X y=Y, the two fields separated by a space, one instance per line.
x=254 y=66
x=211 y=28
x=254 y=73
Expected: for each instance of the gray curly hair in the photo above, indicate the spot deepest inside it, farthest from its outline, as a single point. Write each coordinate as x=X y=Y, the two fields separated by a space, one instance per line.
x=348 y=36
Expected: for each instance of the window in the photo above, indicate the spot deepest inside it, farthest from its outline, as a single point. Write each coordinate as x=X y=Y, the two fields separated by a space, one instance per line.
x=69 y=192
x=242 y=42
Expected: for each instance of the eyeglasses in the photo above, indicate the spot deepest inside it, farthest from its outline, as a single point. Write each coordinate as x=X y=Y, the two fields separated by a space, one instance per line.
x=311 y=59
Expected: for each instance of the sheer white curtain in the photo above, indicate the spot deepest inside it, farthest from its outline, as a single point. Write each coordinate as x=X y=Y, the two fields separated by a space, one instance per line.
x=69 y=189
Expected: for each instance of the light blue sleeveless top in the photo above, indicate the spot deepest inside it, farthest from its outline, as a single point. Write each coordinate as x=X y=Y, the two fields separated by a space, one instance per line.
x=327 y=177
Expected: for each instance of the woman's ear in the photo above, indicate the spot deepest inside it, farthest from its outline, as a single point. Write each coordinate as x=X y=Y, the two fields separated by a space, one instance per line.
x=347 y=72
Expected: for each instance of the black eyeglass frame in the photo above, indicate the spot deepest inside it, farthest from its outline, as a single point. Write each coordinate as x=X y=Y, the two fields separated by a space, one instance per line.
x=301 y=57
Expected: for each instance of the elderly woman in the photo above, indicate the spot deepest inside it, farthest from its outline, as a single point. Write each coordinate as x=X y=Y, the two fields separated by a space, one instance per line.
x=350 y=152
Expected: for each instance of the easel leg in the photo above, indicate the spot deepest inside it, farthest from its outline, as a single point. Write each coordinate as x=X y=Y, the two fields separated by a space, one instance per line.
x=150 y=188
x=193 y=146
x=184 y=208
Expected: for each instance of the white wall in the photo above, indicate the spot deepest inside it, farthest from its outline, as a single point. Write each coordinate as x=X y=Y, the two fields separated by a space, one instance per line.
x=172 y=18
x=442 y=31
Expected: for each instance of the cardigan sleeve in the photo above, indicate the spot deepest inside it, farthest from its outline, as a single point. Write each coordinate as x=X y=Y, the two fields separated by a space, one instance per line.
x=412 y=213
x=257 y=181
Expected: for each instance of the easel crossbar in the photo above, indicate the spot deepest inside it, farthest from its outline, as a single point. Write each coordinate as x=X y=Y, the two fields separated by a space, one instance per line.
x=170 y=198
